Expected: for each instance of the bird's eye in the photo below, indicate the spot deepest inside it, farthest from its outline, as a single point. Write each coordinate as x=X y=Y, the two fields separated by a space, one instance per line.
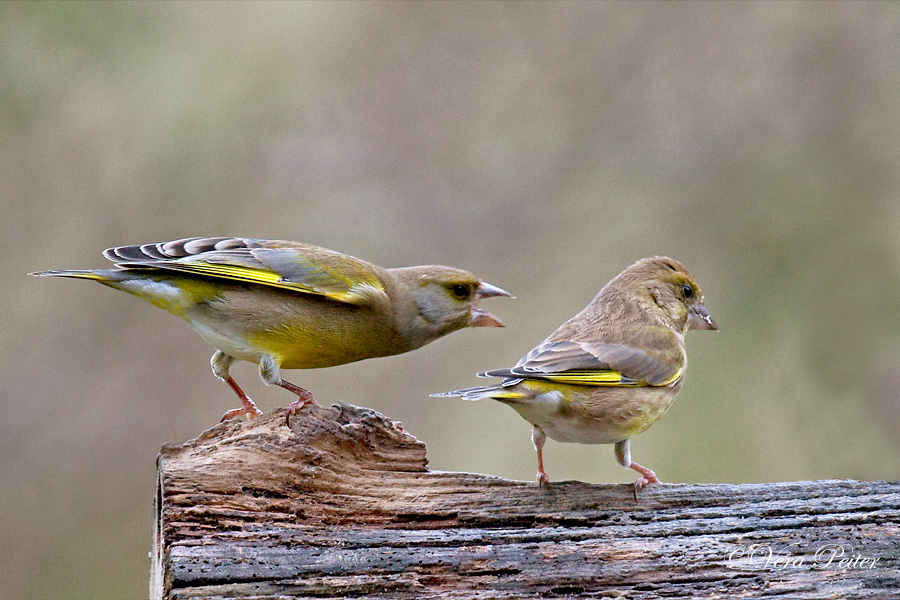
x=460 y=291
x=687 y=290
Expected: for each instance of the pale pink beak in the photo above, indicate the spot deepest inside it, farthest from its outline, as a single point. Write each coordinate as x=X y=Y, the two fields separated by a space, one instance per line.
x=699 y=318
x=482 y=318
x=487 y=290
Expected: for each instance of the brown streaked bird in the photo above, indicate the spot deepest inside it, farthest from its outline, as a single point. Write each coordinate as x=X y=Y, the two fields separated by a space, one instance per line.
x=612 y=370
x=289 y=305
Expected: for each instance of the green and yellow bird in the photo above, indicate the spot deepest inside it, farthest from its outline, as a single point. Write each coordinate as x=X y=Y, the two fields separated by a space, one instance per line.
x=612 y=370
x=290 y=305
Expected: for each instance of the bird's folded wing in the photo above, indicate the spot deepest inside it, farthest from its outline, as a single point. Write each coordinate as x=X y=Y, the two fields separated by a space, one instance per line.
x=279 y=264
x=598 y=364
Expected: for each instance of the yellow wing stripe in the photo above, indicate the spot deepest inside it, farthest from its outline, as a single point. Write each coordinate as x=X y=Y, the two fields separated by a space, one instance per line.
x=603 y=378
x=234 y=272
x=675 y=377
x=250 y=275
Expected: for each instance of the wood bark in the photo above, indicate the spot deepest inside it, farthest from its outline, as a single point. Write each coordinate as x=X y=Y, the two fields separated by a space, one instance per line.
x=342 y=505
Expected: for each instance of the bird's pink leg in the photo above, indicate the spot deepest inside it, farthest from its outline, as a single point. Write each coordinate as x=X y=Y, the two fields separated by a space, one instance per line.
x=249 y=407
x=538 y=437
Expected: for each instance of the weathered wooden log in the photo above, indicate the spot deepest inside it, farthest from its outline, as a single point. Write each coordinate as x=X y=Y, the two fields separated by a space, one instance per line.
x=342 y=505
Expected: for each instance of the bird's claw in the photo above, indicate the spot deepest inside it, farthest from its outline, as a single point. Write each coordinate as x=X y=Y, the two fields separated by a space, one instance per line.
x=295 y=406
x=250 y=411
x=248 y=406
x=647 y=477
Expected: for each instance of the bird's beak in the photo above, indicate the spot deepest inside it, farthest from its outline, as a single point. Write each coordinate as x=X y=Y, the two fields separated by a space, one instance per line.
x=482 y=318
x=699 y=318
x=486 y=290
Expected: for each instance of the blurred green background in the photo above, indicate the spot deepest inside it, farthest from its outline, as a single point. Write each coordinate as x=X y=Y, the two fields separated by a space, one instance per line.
x=543 y=146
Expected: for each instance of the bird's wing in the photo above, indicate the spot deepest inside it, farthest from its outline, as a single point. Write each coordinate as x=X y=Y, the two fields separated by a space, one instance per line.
x=599 y=364
x=285 y=265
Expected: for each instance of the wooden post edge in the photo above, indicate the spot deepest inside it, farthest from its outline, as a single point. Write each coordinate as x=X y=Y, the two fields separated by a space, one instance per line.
x=342 y=505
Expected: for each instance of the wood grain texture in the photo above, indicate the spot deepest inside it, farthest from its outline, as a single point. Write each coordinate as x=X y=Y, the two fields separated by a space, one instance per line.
x=342 y=505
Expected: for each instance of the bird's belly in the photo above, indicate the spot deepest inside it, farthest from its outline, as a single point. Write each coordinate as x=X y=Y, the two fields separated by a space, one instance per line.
x=298 y=333
x=611 y=416
x=580 y=433
x=300 y=348
x=227 y=341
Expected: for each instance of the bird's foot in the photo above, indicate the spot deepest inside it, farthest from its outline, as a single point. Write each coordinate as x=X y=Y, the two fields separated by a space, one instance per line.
x=249 y=408
x=542 y=478
x=304 y=397
x=647 y=477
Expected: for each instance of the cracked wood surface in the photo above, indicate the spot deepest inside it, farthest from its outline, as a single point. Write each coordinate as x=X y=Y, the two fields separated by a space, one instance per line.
x=342 y=505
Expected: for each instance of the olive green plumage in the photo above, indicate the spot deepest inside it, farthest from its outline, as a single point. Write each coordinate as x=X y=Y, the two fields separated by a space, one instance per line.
x=292 y=305
x=610 y=371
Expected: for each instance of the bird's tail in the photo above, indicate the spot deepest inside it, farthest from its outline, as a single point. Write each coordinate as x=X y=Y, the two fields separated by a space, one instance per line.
x=494 y=392
x=167 y=293
x=99 y=275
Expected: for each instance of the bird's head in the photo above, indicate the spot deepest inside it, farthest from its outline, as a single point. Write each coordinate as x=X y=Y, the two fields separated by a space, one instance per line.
x=442 y=300
x=672 y=291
